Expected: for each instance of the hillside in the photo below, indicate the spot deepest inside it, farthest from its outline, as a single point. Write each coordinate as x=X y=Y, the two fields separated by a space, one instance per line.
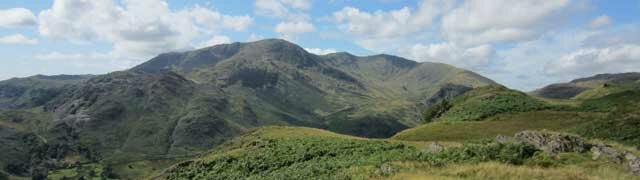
x=608 y=112
x=575 y=87
x=483 y=102
x=303 y=153
x=35 y=90
x=177 y=105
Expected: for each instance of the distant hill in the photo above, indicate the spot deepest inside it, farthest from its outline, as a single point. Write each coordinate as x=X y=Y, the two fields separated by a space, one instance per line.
x=574 y=88
x=177 y=105
x=35 y=90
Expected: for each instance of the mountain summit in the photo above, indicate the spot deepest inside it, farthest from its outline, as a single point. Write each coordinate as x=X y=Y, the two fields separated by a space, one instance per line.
x=180 y=104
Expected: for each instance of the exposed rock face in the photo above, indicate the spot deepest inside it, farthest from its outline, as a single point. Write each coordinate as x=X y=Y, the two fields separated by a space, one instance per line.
x=552 y=142
x=605 y=151
x=601 y=150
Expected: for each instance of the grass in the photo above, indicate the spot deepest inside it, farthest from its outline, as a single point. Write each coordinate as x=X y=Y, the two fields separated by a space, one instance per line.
x=496 y=170
x=502 y=124
x=306 y=153
x=487 y=101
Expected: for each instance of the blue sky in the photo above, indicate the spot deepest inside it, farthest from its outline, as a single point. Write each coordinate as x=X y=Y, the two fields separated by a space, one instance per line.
x=523 y=44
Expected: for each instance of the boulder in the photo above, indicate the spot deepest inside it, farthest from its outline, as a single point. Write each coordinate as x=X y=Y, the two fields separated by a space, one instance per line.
x=601 y=150
x=552 y=142
x=435 y=148
x=501 y=139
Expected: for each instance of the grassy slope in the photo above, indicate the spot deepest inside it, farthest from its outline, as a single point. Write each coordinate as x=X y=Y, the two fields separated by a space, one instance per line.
x=303 y=153
x=503 y=124
x=487 y=101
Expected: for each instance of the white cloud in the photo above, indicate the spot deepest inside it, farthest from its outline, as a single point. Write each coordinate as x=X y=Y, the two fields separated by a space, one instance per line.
x=496 y=21
x=17 y=39
x=600 y=21
x=394 y=23
x=58 y=56
x=138 y=28
x=285 y=9
x=213 y=20
x=294 y=27
x=289 y=30
x=320 y=51
x=298 y=4
x=216 y=40
x=270 y=8
x=254 y=37
x=586 y=62
x=472 y=58
x=17 y=17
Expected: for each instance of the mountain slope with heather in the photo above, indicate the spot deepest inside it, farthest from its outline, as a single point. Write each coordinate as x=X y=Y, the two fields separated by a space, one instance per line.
x=177 y=105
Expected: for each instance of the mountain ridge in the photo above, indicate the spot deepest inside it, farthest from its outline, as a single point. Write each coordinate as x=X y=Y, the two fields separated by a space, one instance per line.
x=179 y=104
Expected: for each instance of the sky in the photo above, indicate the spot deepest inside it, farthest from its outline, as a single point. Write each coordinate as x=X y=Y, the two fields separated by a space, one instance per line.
x=522 y=44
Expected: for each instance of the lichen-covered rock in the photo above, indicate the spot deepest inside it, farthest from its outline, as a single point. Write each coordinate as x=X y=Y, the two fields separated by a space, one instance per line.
x=630 y=157
x=501 y=139
x=435 y=148
x=552 y=142
x=634 y=166
x=601 y=150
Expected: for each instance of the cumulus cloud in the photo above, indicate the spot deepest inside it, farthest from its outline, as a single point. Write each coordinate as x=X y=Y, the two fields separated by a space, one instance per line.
x=216 y=40
x=320 y=51
x=472 y=58
x=394 y=23
x=600 y=21
x=17 y=39
x=290 y=10
x=139 y=28
x=586 y=62
x=254 y=37
x=495 y=21
x=57 y=56
x=16 y=17
x=289 y=30
x=298 y=4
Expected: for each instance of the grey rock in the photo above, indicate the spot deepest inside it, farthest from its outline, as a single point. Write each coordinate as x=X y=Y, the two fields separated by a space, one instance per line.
x=386 y=169
x=501 y=139
x=630 y=157
x=435 y=148
x=634 y=166
x=552 y=142
x=600 y=150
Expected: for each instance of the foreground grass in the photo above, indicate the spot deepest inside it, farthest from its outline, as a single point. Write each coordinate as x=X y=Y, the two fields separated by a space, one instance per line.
x=499 y=171
x=306 y=153
x=502 y=124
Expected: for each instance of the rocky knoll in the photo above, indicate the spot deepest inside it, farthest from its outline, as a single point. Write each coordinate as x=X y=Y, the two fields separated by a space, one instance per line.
x=552 y=142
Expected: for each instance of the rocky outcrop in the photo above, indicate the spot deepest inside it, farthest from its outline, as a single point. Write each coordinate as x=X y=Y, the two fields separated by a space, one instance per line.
x=600 y=151
x=552 y=142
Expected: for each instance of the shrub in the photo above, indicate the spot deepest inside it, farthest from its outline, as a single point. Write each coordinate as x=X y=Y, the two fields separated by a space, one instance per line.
x=436 y=111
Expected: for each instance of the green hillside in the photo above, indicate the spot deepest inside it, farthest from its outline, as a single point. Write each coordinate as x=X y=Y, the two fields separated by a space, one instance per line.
x=180 y=104
x=574 y=88
x=481 y=103
x=304 y=153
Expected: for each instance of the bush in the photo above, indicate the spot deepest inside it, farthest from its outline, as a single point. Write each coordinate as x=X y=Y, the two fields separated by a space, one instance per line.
x=512 y=153
x=436 y=111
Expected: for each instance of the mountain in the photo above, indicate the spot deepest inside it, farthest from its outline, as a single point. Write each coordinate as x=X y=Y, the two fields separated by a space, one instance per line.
x=35 y=90
x=177 y=105
x=520 y=134
x=575 y=87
